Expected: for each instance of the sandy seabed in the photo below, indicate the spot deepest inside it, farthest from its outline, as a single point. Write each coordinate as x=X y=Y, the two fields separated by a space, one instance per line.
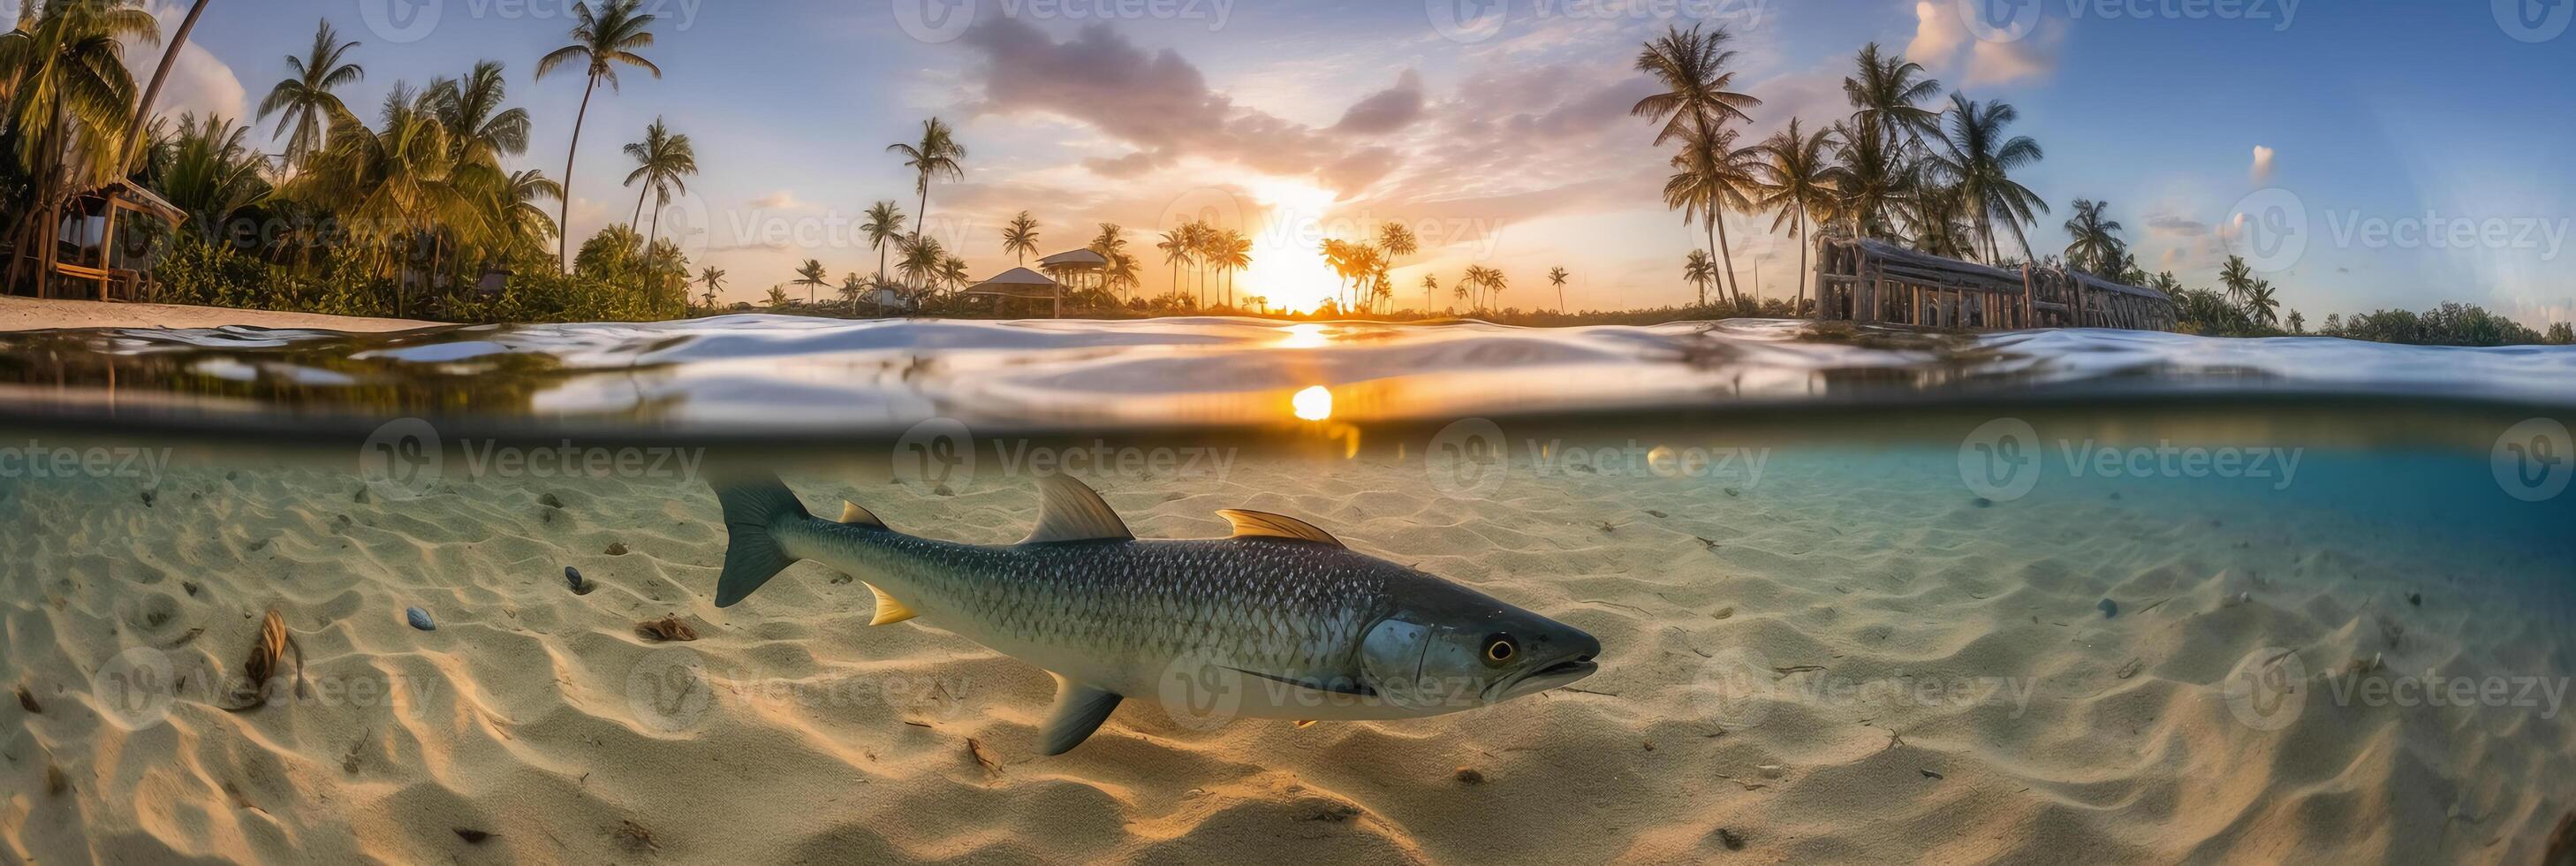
x=1836 y=664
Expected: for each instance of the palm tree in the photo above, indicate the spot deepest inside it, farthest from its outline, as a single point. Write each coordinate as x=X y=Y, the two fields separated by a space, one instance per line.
x=851 y=288
x=1175 y=247
x=601 y=41
x=305 y=96
x=777 y=297
x=2261 y=306
x=1396 y=239
x=713 y=278
x=1696 y=106
x=1872 y=179
x=1234 y=253
x=663 y=163
x=1430 y=289
x=920 y=262
x=520 y=220
x=160 y=75
x=1495 y=283
x=1020 y=238
x=938 y=153
x=1556 y=277
x=2095 y=244
x=392 y=184
x=884 y=223
x=811 y=275
x=1979 y=158
x=1885 y=94
x=1710 y=175
x=1798 y=183
x=68 y=96
x=952 y=273
x=2237 y=277
x=1698 y=271
x=209 y=172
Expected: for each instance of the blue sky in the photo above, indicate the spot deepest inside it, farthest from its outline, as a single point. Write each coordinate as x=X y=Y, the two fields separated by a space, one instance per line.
x=1509 y=146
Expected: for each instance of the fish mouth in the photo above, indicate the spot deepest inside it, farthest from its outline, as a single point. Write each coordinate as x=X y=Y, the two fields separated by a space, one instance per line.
x=1552 y=676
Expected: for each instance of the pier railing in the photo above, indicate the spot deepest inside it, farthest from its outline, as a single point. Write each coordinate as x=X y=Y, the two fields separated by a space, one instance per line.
x=1878 y=282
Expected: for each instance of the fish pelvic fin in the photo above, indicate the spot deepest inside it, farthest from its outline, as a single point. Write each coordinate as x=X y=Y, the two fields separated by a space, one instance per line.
x=1079 y=710
x=754 y=507
x=854 y=514
x=1069 y=510
x=889 y=611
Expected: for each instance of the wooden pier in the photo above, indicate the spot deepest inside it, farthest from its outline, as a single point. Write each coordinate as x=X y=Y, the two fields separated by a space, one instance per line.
x=1881 y=283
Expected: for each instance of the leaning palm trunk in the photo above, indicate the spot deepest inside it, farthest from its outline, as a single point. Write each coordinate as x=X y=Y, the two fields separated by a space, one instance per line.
x=563 y=242
x=152 y=93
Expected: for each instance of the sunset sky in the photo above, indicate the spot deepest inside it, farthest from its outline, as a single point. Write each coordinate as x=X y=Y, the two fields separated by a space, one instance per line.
x=1506 y=141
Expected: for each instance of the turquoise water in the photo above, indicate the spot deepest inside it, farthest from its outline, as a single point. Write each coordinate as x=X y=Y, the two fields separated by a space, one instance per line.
x=2170 y=594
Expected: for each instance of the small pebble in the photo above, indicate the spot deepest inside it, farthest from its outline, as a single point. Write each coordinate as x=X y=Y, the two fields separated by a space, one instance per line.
x=1469 y=775
x=419 y=619
x=550 y=501
x=1771 y=771
x=2108 y=608
x=1982 y=502
x=2415 y=598
x=1733 y=841
x=616 y=548
x=573 y=577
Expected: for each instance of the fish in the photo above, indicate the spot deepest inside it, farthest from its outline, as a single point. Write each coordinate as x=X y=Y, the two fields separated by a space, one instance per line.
x=1278 y=620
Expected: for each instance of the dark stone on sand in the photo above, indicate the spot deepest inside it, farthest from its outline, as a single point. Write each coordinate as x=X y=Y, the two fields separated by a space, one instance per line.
x=1733 y=841
x=2415 y=598
x=2108 y=608
x=1982 y=502
x=572 y=577
x=419 y=619
x=550 y=501
x=616 y=548
x=1470 y=776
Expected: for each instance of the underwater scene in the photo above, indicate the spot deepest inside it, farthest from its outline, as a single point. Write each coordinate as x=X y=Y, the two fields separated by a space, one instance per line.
x=769 y=590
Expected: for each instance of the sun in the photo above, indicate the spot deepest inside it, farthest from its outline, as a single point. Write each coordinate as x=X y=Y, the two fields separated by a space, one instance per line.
x=1287 y=260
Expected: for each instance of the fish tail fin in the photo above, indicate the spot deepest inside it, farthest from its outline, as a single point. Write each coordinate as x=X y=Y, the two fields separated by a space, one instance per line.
x=754 y=507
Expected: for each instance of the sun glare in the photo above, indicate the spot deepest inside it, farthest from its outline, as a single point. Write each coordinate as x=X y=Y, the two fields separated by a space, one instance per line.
x=1312 y=404
x=1287 y=263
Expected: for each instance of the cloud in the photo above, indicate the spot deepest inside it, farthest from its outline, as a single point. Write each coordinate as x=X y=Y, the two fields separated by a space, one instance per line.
x=2262 y=164
x=784 y=199
x=1937 y=34
x=1387 y=110
x=198 y=84
x=2169 y=224
x=1161 y=105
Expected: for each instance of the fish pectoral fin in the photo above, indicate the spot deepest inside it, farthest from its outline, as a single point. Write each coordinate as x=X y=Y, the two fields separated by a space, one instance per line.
x=1069 y=510
x=1079 y=710
x=1357 y=690
x=889 y=611
x=1263 y=524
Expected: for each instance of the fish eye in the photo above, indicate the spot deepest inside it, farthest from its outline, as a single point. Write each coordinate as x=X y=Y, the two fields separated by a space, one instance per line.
x=1501 y=649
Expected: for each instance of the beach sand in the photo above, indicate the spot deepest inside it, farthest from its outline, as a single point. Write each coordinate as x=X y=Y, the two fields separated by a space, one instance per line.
x=1762 y=696
x=32 y=314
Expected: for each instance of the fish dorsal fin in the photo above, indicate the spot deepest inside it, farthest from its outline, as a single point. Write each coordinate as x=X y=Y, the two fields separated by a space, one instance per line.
x=1079 y=710
x=1263 y=524
x=889 y=611
x=1068 y=510
x=854 y=514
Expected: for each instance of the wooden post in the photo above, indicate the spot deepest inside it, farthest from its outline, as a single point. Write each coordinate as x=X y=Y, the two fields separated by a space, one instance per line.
x=107 y=247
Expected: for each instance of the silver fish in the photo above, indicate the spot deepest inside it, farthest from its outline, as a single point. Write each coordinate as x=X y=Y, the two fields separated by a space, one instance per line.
x=1278 y=621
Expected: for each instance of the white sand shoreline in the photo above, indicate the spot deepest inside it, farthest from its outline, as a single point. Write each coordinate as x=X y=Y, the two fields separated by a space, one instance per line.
x=32 y=314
